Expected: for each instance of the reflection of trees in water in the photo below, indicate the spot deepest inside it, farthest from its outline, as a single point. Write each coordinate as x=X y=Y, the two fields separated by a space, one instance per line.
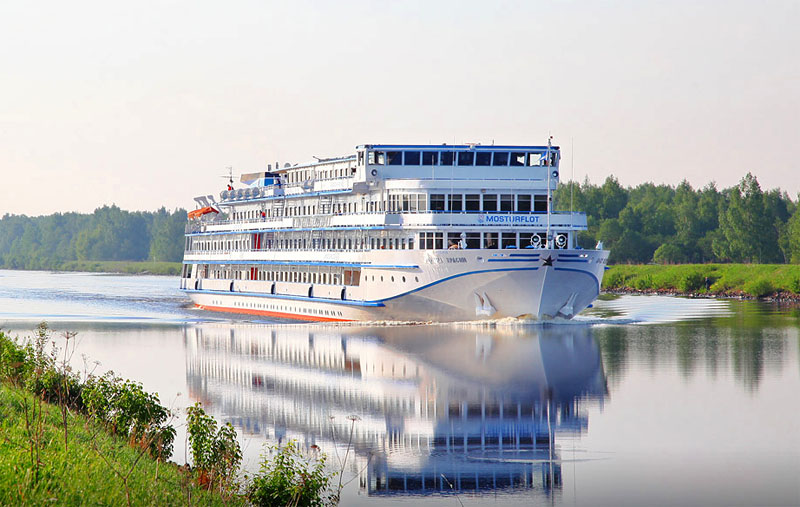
x=741 y=346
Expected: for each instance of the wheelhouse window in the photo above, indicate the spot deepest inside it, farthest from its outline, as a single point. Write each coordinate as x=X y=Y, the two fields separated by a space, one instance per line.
x=534 y=159
x=394 y=158
x=466 y=158
x=412 y=158
x=446 y=158
x=483 y=158
x=500 y=158
x=429 y=157
x=517 y=159
x=376 y=158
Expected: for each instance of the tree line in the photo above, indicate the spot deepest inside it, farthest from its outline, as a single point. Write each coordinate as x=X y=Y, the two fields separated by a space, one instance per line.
x=680 y=224
x=108 y=234
x=646 y=223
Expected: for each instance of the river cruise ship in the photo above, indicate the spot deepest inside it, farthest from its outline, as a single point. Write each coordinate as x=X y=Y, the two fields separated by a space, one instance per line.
x=394 y=232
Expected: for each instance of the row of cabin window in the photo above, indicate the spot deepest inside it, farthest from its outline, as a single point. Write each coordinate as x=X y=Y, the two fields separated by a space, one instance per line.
x=301 y=176
x=306 y=274
x=523 y=203
x=472 y=240
x=503 y=203
x=270 y=243
x=461 y=158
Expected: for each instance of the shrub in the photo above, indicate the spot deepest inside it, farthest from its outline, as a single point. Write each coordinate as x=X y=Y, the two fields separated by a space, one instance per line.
x=644 y=282
x=215 y=451
x=759 y=287
x=794 y=285
x=690 y=282
x=614 y=280
x=289 y=478
x=123 y=407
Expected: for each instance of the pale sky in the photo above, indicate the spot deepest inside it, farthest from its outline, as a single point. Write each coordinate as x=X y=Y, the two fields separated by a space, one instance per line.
x=144 y=104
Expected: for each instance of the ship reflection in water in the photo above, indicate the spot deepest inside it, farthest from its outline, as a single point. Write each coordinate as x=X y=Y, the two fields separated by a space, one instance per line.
x=432 y=409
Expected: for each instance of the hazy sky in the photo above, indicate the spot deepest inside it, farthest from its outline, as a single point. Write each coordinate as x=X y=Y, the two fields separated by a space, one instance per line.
x=144 y=104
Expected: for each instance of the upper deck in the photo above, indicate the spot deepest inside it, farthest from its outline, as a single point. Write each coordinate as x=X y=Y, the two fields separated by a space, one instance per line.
x=380 y=166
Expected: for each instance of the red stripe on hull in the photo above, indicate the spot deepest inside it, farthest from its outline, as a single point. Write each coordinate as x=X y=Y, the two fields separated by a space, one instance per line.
x=294 y=316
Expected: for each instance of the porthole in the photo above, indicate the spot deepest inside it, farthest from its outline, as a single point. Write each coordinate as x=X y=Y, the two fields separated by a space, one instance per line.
x=404 y=279
x=416 y=279
x=381 y=277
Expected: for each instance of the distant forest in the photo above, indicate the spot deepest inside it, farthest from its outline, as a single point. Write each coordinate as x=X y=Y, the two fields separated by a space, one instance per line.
x=646 y=223
x=671 y=225
x=108 y=234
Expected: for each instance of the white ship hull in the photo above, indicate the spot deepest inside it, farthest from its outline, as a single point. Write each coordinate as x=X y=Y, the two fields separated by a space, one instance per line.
x=446 y=286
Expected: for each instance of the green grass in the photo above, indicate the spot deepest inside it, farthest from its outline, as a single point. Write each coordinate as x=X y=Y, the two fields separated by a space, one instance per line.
x=81 y=475
x=754 y=280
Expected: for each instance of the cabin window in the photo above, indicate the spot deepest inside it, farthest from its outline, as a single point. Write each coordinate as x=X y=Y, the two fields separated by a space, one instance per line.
x=437 y=202
x=472 y=202
x=429 y=157
x=525 y=239
x=394 y=158
x=524 y=203
x=507 y=202
x=466 y=158
x=483 y=158
x=446 y=158
x=412 y=158
x=517 y=159
x=490 y=240
x=540 y=203
x=473 y=240
x=423 y=202
x=490 y=202
x=500 y=158
x=360 y=158
x=456 y=202
x=509 y=240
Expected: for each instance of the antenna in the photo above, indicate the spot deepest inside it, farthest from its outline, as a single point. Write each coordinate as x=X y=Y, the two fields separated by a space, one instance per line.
x=229 y=176
x=549 y=194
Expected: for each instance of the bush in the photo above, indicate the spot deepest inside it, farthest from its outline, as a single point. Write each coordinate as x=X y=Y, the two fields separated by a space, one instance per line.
x=759 y=287
x=123 y=407
x=291 y=479
x=215 y=452
x=614 y=280
x=644 y=282
x=691 y=281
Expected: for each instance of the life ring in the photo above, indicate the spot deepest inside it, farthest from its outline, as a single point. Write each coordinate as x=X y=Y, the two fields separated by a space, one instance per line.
x=536 y=241
x=561 y=240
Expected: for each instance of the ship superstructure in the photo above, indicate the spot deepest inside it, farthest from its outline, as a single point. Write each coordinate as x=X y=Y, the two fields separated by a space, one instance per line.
x=395 y=232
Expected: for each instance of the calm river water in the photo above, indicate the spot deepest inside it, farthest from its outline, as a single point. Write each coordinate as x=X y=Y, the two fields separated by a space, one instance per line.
x=643 y=401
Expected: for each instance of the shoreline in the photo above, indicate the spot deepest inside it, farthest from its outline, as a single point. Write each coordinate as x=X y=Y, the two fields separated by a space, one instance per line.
x=132 y=268
x=779 y=298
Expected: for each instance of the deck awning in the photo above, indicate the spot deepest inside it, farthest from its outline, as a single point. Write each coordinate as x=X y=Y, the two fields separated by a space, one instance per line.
x=202 y=211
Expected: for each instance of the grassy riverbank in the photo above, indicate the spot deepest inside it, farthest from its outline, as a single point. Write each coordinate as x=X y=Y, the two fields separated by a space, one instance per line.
x=37 y=469
x=754 y=280
x=125 y=267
